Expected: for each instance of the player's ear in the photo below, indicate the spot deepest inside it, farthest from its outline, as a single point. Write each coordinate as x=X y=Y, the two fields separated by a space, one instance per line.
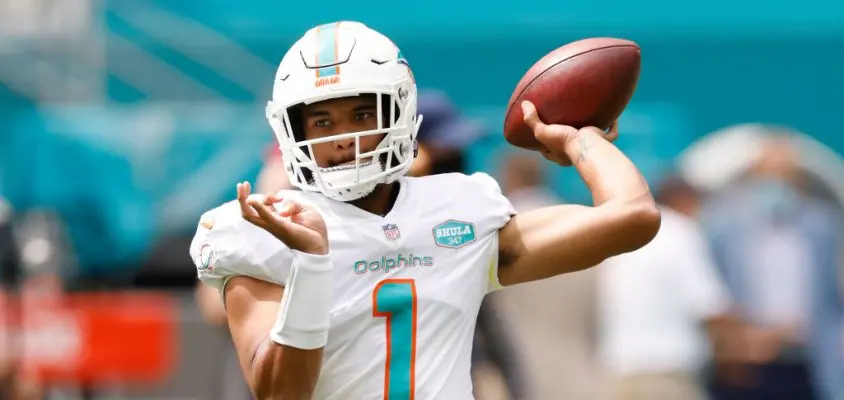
x=422 y=164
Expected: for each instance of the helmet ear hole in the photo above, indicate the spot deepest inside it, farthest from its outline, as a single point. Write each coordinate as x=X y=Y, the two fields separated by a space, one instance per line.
x=297 y=123
x=297 y=126
x=387 y=104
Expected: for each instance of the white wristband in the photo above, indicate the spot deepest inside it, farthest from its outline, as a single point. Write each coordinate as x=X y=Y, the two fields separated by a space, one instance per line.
x=304 y=317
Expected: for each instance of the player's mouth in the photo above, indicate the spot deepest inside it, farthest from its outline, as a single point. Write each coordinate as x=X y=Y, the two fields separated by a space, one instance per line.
x=347 y=165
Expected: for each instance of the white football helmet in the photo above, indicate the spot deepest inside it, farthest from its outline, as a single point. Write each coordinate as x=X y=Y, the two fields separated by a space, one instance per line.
x=345 y=59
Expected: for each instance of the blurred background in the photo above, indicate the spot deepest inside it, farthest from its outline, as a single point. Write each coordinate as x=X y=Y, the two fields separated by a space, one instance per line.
x=121 y=121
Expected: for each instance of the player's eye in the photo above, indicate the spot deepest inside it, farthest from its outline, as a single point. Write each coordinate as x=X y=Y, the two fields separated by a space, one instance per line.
x=363 y=116
x=322 y=123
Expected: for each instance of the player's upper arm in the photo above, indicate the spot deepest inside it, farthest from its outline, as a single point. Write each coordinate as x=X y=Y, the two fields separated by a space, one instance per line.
x=549 y=241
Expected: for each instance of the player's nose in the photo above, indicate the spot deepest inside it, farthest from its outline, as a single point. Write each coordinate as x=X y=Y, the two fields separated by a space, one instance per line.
x=344 y=144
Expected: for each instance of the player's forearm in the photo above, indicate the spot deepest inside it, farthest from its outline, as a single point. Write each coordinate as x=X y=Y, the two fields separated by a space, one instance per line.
x=618 y=189
x=608 y=173
x=287 y=363
x=284 y=372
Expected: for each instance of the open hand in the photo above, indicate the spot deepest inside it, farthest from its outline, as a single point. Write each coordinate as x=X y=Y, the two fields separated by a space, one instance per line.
x=297 y=225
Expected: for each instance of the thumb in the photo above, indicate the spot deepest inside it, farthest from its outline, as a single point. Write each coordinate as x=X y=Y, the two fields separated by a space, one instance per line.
x=531 y=116
x=548 y=135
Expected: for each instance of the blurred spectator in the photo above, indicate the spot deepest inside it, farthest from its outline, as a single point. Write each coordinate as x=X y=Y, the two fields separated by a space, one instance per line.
x=443 y=138
x=657 y=306
x=13 y=279
x=524 y=182
x=679 y=196
x=9 y=271
x=778 y=253
x=9 y=266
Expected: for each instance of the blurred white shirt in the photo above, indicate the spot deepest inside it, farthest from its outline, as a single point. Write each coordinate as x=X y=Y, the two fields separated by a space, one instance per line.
x=653 y=302
x=532 y=198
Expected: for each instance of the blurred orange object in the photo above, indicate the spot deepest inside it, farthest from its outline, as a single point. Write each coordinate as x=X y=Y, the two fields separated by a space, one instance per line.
x=99 y=338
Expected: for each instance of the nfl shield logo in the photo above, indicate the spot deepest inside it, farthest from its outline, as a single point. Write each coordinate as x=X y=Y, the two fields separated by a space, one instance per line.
x=391 y=231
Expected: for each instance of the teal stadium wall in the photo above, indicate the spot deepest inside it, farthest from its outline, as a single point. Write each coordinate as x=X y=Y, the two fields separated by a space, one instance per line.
x=142 y=166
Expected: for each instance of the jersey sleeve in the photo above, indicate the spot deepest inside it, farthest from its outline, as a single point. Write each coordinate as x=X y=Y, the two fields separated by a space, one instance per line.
x=497 y=211
x=226 y=245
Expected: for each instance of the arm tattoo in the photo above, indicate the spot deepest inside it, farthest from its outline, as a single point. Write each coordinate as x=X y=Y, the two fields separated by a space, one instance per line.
x=584 y=145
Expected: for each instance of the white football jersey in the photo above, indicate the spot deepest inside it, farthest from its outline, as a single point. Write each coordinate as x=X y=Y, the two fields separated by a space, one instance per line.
x=407 y=286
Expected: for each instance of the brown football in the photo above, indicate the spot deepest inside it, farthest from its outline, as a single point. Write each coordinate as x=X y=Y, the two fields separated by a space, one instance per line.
x=584 y=83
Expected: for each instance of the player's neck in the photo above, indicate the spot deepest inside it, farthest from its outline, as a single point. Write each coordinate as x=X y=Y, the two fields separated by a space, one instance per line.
x=380 y=201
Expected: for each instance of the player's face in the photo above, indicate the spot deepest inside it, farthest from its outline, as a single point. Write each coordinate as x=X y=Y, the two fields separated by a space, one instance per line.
x=338 y=116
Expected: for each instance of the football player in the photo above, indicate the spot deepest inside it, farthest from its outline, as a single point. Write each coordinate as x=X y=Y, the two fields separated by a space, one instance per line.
x=365 y=283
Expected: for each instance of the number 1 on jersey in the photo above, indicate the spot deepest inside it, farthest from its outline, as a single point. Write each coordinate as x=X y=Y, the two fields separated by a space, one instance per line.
x=395 y=300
